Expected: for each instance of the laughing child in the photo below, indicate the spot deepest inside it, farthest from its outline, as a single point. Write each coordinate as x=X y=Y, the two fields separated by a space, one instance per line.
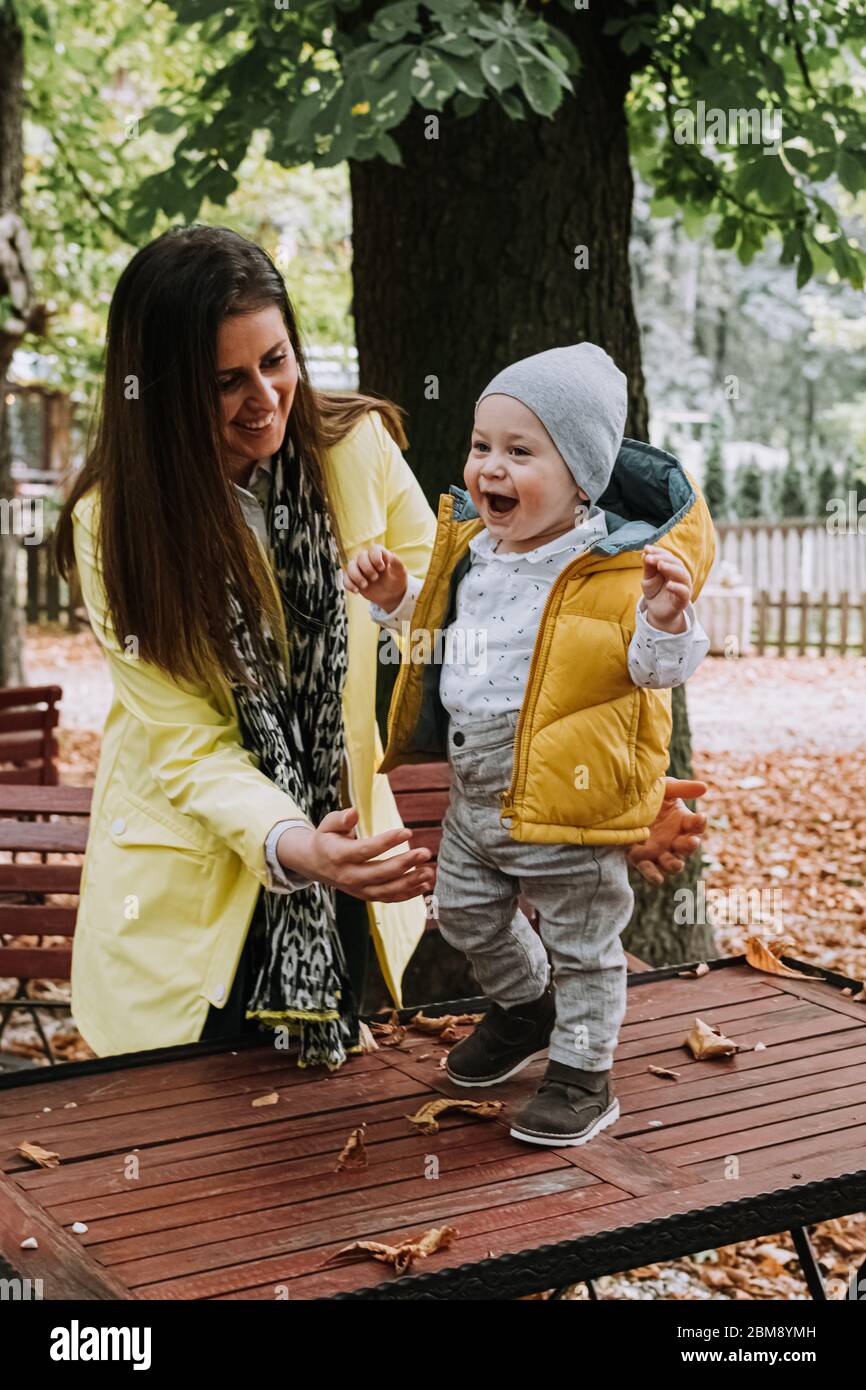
x=574 y=555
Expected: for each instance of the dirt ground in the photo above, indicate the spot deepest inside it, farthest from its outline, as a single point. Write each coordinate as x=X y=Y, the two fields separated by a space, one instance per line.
x=781 y=743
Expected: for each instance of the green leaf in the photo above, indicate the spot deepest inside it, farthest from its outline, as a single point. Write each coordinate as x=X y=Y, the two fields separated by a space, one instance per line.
x=465 y=105
x=433 y=81
x=851 y=171
x=163 y=120
x=456 y=45
x=804 y=268
x=749 y=243
x=799 y=158
x=726 y=233
x=388 y=148
x=470 y=81
x=767 y=176
x=396 y=21
x=500 y=66
x=542 y=90
x=512 y=105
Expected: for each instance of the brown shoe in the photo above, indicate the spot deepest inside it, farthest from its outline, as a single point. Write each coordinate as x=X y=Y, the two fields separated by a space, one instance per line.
x=569 y=1107
x=504 y=1042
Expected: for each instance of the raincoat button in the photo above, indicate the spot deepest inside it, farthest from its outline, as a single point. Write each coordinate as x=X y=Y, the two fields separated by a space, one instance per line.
x=459 y=739
x=118 y=826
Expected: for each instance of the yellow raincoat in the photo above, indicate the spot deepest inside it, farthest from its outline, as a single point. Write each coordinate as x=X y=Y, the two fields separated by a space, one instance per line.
x=175 y=854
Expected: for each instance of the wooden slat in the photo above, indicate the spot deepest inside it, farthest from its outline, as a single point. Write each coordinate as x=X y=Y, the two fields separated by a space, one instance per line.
x=423 y=808
x=18 y=747
x=242 y=1088
x=36 y=919
x=51 y=837
x=35 y=963
x=14 y=696
x=66 y=1270
x=40 y=878
x=15 y=721
x=418 y=777
x=64 y=800
x=562 y=1191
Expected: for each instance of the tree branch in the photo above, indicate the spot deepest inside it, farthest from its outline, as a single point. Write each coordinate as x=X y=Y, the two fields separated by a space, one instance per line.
x=798 y=50
x=91 y=199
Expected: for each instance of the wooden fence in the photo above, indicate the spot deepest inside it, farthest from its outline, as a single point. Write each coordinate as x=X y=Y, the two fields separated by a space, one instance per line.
x=42 y=595
x=792 y=557
x=804 y=623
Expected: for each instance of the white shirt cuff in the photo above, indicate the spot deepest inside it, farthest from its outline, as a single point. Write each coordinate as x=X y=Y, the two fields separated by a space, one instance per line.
x=403 y=612
x=659 y=660
x=279 y=879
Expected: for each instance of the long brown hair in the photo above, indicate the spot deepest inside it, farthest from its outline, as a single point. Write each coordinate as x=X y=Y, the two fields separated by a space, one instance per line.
x=171 y=531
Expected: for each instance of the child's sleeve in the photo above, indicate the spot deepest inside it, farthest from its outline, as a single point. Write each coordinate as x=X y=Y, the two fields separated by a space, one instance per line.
x=405 y=608
x=659 y=660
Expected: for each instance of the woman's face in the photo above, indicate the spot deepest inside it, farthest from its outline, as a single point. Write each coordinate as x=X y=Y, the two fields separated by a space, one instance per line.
x=257 y=374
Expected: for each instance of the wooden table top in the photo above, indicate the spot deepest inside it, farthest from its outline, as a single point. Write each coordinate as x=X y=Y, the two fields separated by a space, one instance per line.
x=190 y=1191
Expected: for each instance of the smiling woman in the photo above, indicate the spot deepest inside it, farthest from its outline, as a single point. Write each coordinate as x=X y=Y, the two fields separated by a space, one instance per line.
x=235 y=860
x=256 y=399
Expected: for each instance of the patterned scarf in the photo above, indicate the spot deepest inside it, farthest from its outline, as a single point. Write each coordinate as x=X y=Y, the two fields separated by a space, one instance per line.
x=295 y=726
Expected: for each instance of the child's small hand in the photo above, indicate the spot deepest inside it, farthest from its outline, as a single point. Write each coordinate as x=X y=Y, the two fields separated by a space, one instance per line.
x=667 y=587
x=378 y=575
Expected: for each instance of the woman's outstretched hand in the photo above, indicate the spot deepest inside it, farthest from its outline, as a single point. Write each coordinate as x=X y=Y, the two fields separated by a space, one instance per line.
x=674 y=834
x=332 y=854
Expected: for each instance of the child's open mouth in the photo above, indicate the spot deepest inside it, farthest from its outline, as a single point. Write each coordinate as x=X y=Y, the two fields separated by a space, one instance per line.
x=499 y=504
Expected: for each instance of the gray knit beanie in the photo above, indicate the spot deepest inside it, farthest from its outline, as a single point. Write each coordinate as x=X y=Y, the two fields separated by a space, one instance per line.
x=579 y=395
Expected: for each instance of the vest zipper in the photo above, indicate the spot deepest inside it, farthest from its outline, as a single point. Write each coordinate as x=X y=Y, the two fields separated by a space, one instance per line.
x=543 y=640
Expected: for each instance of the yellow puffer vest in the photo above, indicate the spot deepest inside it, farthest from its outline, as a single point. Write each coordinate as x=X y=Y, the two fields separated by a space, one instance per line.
x=591 y=749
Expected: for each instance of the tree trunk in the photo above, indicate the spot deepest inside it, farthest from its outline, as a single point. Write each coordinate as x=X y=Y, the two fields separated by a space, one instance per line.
x=464 y=261
x=11 y=77
x=464 y=257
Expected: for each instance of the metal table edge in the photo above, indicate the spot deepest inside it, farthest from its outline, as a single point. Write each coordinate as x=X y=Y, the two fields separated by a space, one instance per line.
x=627 y=1247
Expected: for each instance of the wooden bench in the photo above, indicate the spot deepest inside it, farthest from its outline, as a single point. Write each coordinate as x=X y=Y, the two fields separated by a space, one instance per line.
x=24 y=886
x=237 y=1201
x=28 y=743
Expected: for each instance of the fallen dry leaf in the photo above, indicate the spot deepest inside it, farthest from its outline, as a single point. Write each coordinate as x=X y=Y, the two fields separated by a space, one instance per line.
x=390 y=1034
x=763 y=955
x=353 y=1154
x=706 y=1042
x=664 y=1071
x=426 y=1120
x=445 y=1023
x=43 y=1158
x=270 y=1099
x=401 y=1255
x=702 y=969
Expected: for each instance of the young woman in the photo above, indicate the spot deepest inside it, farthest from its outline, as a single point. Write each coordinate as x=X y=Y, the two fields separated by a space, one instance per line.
x=241 y=842
x=229 y=723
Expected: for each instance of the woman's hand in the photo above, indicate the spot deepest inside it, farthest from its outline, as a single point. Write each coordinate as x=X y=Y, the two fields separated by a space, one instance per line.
x=674 y=834
x=333 y=855
x=667 y=588
x=379 y=575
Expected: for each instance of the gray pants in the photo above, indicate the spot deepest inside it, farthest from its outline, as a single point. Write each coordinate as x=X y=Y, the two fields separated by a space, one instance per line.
x=582 y=894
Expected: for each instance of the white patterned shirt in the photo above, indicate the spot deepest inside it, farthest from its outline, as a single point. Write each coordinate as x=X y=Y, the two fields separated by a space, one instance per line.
x=499 y=603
